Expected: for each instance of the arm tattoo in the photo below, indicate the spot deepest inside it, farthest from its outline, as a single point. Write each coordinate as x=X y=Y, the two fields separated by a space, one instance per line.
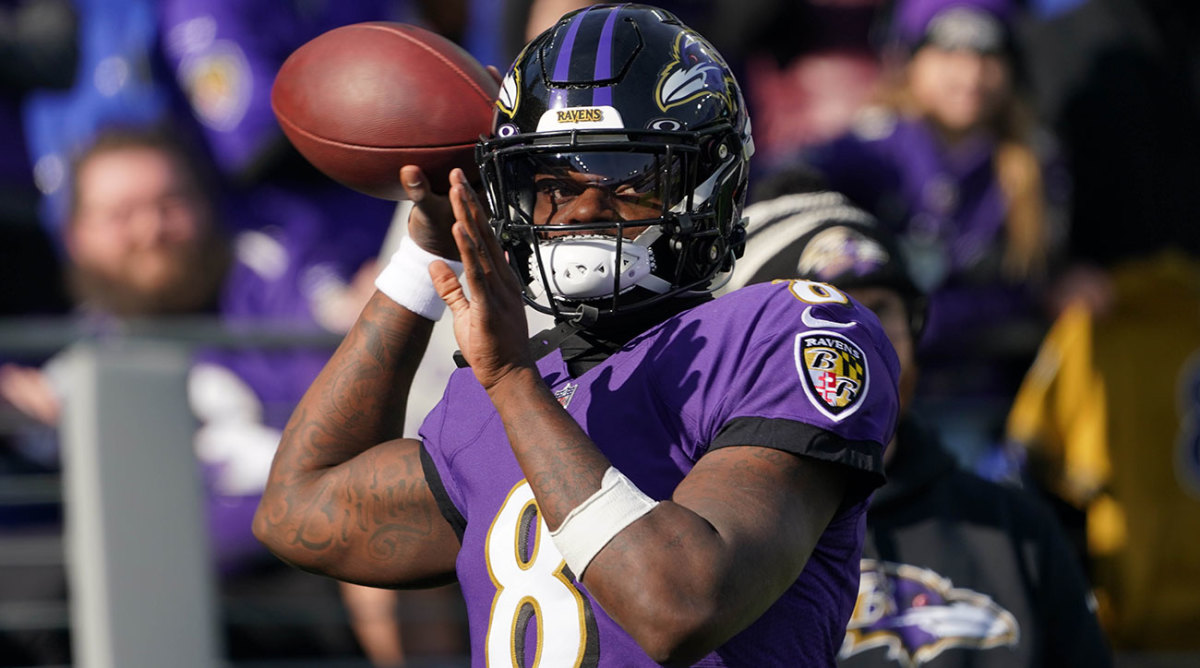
x=340 y=487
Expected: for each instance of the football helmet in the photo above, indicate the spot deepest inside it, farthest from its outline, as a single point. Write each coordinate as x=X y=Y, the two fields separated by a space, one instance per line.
x=617 y=167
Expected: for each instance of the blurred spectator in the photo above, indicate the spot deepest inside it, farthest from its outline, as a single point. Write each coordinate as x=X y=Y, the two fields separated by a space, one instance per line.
x=208 y=67
x=952 y=162
x=146 y=237
x=118 y=78
x=1110 y=417
x=957 y=570
x=1117 y=79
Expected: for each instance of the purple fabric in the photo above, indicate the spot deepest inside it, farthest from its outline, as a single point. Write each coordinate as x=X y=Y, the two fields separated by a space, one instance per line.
x=15 y=170
x=914 y=184
x=311 y=252
x=233 y=545
x=654 y=408
x=225 y=55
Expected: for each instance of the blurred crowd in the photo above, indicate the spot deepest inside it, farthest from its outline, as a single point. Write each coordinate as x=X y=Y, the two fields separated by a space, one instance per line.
x=1033 y=162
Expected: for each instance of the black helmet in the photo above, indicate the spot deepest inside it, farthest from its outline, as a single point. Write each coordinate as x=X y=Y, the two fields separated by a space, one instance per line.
x=628 y=98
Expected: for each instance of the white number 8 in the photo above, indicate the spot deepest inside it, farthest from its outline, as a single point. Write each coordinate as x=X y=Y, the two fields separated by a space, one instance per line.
x=531 y=587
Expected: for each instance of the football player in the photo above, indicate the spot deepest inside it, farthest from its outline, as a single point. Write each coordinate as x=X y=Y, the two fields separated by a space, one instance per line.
x=662 y=478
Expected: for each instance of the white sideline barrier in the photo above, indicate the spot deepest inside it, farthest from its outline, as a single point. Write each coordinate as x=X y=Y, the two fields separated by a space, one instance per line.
x=142 y=585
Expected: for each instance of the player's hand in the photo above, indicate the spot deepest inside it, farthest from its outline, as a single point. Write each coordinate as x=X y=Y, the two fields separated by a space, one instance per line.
x=432 y=216
x=490 y=326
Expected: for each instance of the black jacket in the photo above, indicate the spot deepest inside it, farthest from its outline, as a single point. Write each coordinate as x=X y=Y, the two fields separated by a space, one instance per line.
x=960 y=571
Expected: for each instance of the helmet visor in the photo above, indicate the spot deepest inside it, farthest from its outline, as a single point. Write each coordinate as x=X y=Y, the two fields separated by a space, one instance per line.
x=592 y=189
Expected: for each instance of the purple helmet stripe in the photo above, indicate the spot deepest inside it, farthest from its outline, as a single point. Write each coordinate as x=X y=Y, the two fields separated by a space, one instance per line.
x=603 y=95
x=562 y=67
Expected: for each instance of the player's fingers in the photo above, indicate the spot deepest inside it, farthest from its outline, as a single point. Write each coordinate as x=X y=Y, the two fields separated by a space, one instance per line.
x=415 y=185
x=431 y=216
x=461 y=199
x=448 y=287
x=470 y=199
x=473 y=228
x=481 y=271
x=481 y=230
x=488 y=280
x=492 y=257
x=475 y=275
x=495 y=72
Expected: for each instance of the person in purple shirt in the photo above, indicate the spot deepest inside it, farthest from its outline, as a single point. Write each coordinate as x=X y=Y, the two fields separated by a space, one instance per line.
x=146 y=239
x=663 y=477
x=952 y=162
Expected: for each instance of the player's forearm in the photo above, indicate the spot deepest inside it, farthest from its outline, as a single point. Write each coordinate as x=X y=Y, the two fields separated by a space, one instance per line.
x=705 y=564
x=680 y=587
x=359 y=398
x=561 y=463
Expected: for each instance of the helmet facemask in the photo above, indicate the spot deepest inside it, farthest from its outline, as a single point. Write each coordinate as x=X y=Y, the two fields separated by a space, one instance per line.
x=660 y=218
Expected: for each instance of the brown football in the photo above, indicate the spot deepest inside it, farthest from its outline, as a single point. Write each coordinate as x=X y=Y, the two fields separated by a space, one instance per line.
x=361 y=101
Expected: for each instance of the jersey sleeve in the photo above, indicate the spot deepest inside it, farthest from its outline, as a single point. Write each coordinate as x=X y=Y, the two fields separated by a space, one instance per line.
x=436 y=455
x=815 y=375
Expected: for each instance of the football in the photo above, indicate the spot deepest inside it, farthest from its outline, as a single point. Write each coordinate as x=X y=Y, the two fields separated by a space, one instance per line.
x=362 y=100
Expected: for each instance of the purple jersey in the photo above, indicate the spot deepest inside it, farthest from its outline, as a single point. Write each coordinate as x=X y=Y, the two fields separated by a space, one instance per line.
x=788 y=365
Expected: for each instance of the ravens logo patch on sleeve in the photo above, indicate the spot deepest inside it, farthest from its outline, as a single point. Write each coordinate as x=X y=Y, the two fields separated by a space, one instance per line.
x=834 y=372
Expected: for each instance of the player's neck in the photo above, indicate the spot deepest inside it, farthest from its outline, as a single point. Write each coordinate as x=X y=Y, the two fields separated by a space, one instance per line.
x=585 y=348
x=620 y=328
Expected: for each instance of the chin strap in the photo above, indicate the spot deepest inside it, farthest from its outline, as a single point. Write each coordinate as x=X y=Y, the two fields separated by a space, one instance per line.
x=546 y=341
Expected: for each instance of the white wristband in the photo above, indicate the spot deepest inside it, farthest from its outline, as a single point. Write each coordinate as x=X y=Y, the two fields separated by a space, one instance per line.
x=592 y=524
x=406 y=280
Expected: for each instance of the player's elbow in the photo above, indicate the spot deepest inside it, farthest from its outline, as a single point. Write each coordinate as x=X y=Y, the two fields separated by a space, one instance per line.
x=678 y=633
x=272 y=533
x=677 y=644
x=264 y=530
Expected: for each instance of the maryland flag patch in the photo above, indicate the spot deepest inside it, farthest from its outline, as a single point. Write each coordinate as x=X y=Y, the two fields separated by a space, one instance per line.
x=565 y=394
x=833 y=370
